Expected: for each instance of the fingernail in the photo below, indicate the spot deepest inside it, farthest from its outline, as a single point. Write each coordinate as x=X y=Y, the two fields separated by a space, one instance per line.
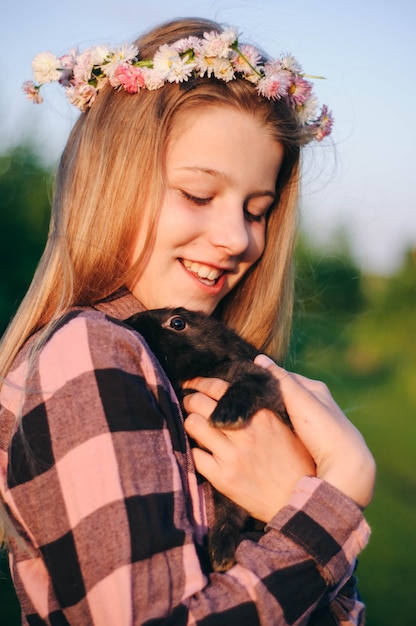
x=263 y=360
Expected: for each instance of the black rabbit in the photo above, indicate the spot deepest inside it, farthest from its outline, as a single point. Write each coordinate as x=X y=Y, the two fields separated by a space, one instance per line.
x=189 y=344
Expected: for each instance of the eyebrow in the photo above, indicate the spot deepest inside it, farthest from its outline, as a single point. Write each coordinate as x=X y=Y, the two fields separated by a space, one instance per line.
x=223 y=176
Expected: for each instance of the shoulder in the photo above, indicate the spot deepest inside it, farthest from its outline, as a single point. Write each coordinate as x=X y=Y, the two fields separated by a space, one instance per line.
x=92 y=334
x=89 y=341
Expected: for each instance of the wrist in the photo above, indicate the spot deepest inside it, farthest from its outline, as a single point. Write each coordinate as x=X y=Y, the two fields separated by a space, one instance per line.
x=356 y=480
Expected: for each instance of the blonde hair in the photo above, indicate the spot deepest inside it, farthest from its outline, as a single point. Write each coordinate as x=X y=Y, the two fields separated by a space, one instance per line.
x=110 y=182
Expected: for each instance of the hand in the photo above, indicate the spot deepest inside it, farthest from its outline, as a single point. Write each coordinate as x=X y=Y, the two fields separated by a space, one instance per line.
x=339 y=451
x=259 y=465
x=256 y=466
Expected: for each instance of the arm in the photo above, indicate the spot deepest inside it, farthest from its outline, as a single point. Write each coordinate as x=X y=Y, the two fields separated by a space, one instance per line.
x=259 y=465
x=107 y=503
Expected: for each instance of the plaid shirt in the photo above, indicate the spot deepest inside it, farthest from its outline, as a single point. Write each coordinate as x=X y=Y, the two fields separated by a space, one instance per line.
x=113 y=521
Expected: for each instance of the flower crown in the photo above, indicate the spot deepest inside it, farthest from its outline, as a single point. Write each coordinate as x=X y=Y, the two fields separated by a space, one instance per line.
x=216 y=54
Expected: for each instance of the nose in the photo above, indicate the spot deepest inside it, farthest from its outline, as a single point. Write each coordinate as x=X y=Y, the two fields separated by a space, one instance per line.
x=229 y=229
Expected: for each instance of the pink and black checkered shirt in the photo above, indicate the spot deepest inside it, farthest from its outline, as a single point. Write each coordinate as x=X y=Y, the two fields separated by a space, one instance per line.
x=112 y=517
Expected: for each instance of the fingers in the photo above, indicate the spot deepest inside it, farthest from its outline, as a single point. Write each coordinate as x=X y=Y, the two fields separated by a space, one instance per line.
x=309 y=404
x=213 y=387
x=199 y=403
x=338 y=449
x=209 y=437
x=265 y=361
x=256 y=466
x=300 y=393
x=281 y=374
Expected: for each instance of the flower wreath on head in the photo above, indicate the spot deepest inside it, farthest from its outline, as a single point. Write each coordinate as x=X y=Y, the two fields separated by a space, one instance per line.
x=216 y=55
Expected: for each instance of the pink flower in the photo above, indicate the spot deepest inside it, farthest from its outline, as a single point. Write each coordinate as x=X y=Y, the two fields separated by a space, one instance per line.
x=67 y=63
x=189 y=43
x=215 y=54
x=299 y=91
x=32 y=92
x=218 y=44
x=245 y=59
x=68 y=60
x=274 y=85
x=81 y=95
x=130 y=77
x=323 y=125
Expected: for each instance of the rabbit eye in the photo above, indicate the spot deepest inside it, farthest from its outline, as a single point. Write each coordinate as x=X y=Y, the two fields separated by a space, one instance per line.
x=177 y=323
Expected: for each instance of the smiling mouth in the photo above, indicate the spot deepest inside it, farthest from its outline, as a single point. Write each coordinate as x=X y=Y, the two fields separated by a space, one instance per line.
x=205 y=273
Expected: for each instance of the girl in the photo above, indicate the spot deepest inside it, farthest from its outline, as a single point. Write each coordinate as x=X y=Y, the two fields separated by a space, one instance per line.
x=178 y=187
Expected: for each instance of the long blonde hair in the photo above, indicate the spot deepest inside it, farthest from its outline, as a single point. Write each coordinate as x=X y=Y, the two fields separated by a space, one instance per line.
x=110 y=181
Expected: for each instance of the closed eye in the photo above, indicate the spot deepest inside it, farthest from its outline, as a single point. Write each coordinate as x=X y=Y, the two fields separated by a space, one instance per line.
x=248 y=215
x=253 y=217
x=258 y=212
x=195 y=199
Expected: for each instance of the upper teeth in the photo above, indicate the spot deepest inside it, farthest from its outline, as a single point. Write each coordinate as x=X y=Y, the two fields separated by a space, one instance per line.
x=203 y=271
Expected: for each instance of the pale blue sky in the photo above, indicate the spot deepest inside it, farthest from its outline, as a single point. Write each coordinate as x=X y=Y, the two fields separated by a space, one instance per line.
x=366 y=49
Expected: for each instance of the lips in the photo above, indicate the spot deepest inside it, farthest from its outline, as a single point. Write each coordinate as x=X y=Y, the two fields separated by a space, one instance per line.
x=206 y=273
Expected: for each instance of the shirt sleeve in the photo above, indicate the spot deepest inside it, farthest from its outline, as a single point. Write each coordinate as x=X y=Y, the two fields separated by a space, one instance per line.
x=102 y=488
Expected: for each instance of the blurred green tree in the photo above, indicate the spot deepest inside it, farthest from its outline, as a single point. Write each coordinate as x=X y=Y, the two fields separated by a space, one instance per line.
x=328 y=295
x=25 y=186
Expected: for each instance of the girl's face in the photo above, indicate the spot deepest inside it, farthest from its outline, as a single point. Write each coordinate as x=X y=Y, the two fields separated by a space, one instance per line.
x=221 y=173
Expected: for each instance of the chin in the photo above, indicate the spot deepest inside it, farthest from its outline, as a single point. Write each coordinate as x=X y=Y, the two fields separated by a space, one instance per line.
x=199 y=306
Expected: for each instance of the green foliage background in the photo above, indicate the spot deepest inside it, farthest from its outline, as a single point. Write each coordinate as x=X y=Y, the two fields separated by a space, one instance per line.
x=355 y=332
x=364 y=349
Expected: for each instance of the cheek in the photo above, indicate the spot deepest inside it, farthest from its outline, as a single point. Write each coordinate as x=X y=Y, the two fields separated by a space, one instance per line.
x=257 y=243
x=176 y=219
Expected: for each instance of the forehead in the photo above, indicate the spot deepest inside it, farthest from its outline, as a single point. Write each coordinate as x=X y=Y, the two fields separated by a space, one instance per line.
x=223 y=140
x=190 y=117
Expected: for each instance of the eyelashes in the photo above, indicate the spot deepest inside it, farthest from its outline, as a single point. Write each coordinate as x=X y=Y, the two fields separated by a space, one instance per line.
x=195 y=199
x=198 y=201
x=253 y=217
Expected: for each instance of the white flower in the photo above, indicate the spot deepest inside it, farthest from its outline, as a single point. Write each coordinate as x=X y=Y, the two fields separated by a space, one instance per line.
x=288 y=62
x=181 y=70
x=189 y=43
x=45 y=68
x=272 y=67
x=127 y=52
x=220 y=68
x=153 y=79
x=214 y=55
x=87 y=60
x=229 y=35
x=223 y=70
x=247 y=60
x=171 y=65
x=219 y=44
x=83 y=67
x=164 y=58
x=99 y=54
x=307 y=112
